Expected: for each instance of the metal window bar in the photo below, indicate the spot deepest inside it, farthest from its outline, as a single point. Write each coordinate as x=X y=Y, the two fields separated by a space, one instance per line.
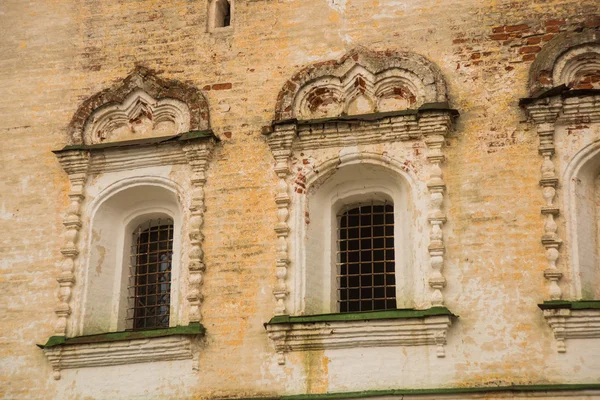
x=365 y=270
x=150 y=275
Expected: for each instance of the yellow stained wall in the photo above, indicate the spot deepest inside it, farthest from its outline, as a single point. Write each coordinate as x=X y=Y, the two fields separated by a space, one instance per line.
x=56 y=53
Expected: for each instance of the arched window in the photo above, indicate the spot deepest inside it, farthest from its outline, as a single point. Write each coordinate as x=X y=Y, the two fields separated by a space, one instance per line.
x=134 y=254
x=150 y=277
x=366 y=278
x=584 y=214
x=359 y=251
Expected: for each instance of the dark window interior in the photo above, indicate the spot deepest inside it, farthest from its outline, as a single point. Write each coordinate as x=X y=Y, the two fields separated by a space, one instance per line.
x=366 y=276
x=150 y=283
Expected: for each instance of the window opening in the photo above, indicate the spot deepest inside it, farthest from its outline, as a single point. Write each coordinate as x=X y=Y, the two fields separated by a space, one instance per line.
x=222 y=13
x=150 y=277
x=366 y=273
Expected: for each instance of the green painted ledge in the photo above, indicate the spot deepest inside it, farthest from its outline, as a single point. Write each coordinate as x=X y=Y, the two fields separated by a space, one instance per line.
x=442 y=106
x=442 y=391
x=571 y=305
x=362 y=316
x=191 y=329
x=182 y=137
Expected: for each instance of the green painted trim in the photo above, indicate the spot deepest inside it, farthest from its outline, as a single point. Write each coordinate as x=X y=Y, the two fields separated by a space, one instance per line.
x=191 y=329
x=443 y=106
x=192 y=135
x=561 y=90
x=443 y=391
x=571 y=305
x=361 y=316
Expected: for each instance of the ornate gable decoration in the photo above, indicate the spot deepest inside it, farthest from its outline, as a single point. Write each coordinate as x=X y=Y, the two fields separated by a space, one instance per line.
x=140 y=106
x=361 y=83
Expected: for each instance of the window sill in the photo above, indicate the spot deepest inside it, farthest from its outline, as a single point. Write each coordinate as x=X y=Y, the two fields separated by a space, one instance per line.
x=402 y=327
x=572 y=320
x=118 y=348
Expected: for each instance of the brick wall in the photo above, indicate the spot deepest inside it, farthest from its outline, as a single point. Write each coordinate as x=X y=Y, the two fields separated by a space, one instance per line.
x=58 y=53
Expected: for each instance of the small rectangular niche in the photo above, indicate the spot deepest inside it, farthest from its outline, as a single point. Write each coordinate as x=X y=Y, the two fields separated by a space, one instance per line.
x=220 y=15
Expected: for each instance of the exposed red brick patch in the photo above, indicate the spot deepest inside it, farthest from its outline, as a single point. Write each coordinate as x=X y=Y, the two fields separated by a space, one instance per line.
x=516 y=28
x=553 y=29
x=528 y=57
x=458 y=41
x=534 y=40
x=547 y=37
x=475 y=56
x=529 y=49
x=552 y=22
x=227 y=135
x=592 y=22
x=498 y=29
x=499 y=36
x=206 y=87
x=221 y=86
x=545 y=78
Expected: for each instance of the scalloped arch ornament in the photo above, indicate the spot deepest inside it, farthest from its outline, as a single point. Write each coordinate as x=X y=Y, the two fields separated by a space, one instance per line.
x=140 y=105
x=361 y=82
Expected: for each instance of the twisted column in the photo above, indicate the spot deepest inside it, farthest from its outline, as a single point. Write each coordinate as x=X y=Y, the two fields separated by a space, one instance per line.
x=435 y=127
x=76 y=164
x=280 y=142
x=549 y=182
x=197 y=155
x=544 y=116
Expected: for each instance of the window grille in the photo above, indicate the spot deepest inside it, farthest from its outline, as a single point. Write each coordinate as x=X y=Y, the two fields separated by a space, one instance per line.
x=366 y=276
x=150 y=276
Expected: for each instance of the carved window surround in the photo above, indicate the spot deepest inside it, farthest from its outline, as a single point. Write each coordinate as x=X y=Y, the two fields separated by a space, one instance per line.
x=560 y=107
x=384 y=116
x=400 y=327
x=117 y=139
x=572 y=320
x=118 y=348
x=81 y=162
x=430 y=124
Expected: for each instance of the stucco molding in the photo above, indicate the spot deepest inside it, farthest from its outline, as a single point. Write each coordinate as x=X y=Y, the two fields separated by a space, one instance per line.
x=118 y=353
x=546 y=113
x=576 y=320
x=82 y=163
x=431 y=126
x=347 y=332
x=142 y=93
x=374 y=75
x=546 y=70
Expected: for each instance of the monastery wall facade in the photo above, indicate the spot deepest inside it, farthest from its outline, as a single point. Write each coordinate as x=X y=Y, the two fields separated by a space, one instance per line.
x=253 y=127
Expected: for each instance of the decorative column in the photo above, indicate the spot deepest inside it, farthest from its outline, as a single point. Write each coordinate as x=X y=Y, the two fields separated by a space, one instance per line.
x=280 y=142
x=544 y=116
x=197 y=155
x=76 y=164
x=435 y=127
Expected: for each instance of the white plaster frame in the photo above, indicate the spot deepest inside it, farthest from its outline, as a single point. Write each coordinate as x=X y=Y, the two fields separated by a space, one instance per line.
x=581 y=160
x=123 y=230
x=324 y=228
